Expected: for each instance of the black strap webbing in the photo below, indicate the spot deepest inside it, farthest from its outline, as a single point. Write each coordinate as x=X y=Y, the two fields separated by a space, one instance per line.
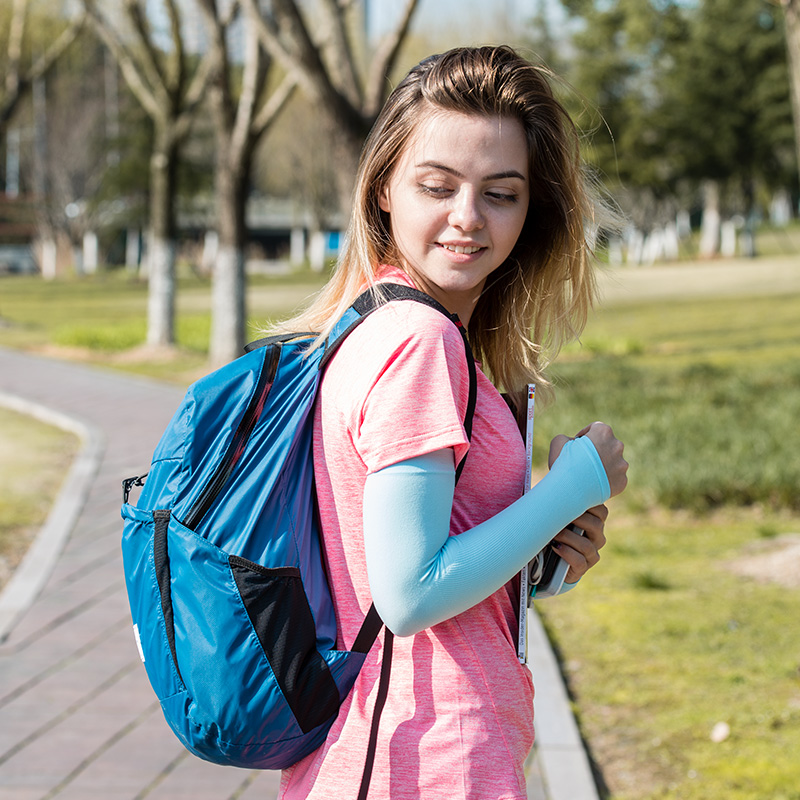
x=471 y=399
x=380 y=702
x=365 y=304
x=370 y=629
x=161 y=564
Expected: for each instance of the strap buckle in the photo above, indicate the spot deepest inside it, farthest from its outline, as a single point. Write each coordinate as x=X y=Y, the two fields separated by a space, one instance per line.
x=129 y=483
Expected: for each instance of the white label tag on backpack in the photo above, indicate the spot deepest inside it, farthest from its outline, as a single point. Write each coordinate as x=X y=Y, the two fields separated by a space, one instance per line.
x=138 y=641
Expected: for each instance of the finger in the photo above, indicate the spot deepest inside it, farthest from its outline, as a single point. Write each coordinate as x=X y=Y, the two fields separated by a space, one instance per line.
x=581 y=543
x=601 y=512
x=577 y=561
x=593 y=528
x=584 y=431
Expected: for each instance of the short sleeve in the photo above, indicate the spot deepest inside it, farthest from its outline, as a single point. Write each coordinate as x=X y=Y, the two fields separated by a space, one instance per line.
x=417 y=400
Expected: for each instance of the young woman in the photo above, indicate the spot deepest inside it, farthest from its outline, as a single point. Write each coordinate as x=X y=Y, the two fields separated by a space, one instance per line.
x=470 y=189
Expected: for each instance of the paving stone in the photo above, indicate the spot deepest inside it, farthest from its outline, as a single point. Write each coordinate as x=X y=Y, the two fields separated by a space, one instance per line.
x=78 y=719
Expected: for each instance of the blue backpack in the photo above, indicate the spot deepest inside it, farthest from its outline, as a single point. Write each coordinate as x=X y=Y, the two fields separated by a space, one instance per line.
x=230 y=602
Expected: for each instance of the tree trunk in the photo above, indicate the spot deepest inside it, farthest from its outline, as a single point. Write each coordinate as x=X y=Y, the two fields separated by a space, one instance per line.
x=710 y=226
x=324 y=66
x=161 y=243
x=792 y=15
x=347 y=148
x=228 y=312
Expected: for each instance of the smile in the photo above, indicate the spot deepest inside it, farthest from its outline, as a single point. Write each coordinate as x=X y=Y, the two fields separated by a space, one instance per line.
x=454 y=248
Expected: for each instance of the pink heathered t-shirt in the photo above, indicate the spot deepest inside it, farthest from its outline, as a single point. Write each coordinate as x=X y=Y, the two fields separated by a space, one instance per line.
x=458 y=721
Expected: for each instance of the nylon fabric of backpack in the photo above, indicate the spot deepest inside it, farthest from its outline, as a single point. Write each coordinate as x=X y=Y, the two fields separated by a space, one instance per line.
x=228 y=594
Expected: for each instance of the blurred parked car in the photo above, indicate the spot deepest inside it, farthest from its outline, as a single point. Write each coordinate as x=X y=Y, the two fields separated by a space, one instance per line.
x=17 y=259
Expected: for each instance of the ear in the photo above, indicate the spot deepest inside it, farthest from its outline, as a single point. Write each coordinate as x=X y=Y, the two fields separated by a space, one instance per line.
x=383 y=199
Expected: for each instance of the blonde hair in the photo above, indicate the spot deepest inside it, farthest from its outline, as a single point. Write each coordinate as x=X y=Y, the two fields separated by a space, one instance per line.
x=541 y=295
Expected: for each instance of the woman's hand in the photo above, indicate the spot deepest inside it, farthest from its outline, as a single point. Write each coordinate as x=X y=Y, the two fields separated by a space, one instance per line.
x=582 y=552
x=608 y=447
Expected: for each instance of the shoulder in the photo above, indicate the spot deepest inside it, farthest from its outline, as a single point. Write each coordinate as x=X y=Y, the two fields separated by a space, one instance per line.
x=403 y=343
x=399 y=385
x=406 y=322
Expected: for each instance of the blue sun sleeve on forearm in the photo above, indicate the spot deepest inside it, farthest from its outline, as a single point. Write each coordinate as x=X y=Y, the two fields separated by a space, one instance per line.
x=419 y=575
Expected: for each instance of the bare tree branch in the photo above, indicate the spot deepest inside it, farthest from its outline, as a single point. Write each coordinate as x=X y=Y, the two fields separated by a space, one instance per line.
x=384 y=60
x=130 y=69
x=285 y=35
x=195 y=94
x=342 y=66
x=146 y=56
x=176 y=63
x=273 y=107
x=16 y=34
x=54 y=52
x=268 y=33
x=232 y=13
x=217 y=51
x=329 y=81
x=17 y=80
x=303 y=57
x=253 y=80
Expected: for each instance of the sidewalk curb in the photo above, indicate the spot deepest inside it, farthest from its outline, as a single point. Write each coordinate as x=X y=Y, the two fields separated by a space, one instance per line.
x=32 y=573
x=560 y=752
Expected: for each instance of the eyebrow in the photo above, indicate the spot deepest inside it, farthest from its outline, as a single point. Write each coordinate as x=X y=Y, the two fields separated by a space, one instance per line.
x=511 y=173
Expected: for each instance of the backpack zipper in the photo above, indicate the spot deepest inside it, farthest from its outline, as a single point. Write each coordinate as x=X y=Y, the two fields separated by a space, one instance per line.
x=239 y=441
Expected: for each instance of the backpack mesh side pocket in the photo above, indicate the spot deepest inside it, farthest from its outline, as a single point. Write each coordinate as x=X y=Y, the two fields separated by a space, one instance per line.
x=279 y=612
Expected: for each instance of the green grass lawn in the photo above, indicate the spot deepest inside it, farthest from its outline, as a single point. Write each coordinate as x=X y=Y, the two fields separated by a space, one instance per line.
x=663 y=640
x=704 y=393
x=34 y=458
x=102 y=318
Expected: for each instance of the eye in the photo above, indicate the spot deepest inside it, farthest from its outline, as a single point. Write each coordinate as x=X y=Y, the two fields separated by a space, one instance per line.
x=434 y=190
x=503 y=197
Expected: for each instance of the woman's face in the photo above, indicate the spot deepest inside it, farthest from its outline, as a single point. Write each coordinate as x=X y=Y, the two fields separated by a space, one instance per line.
x=457 y=201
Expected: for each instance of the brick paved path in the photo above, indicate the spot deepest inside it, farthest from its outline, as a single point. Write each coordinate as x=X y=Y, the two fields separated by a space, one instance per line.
x=78 y=720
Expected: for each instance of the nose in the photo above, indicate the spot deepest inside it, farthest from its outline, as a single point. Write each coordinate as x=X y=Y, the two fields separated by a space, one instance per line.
x=466 y=213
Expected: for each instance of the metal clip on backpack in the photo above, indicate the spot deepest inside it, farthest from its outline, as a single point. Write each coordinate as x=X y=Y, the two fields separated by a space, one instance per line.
x=230 y=602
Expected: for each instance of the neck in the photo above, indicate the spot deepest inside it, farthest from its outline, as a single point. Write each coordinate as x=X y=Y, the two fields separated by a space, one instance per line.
x=460 y=303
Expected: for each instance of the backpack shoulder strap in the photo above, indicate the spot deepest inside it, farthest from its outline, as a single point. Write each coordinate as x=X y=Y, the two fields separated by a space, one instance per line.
x=381 y=294
x=364 y=305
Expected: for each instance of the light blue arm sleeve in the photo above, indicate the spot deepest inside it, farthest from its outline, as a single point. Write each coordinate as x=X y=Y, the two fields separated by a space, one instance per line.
x=419 y=575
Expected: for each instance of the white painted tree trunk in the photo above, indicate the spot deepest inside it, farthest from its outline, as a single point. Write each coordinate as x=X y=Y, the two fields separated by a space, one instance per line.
x=161 y=293
x=133 y=249
x=316 y=251
x=727 y=237
x=210 y=250
x=635 y=243
x=91 y=252
x=780 y=208
x=615 y=257
x=49 y=258
x=683 y=224
x=297 y=247
x=672 y=248
x=227 y=306
x=710 y=226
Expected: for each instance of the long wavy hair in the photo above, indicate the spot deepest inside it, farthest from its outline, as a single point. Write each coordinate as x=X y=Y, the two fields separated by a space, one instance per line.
x=541 y=295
